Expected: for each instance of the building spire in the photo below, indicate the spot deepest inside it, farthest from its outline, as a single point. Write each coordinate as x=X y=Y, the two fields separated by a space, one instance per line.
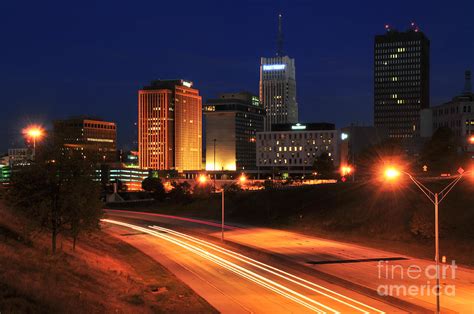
x=467 y=82
x=280 y=37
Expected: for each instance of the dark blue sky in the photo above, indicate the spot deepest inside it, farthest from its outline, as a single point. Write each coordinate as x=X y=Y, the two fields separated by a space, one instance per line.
x=62 y=58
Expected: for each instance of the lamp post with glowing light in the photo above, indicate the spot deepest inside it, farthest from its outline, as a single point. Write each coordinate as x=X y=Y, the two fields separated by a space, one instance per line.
x=35 y=133
x=392 y=173
x=345 y=171
x=202 y=180
x=471 y=140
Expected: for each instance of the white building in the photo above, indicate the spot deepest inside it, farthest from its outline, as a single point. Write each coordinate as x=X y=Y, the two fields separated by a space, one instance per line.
x=20 y=156
x=457 y=114
x=294 y=147
x=278 y=90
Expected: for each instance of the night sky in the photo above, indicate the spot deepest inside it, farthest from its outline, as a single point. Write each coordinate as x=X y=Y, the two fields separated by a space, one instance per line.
x=63 y=58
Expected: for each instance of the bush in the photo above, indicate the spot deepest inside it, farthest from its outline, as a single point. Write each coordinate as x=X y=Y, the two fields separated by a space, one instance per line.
x=154 y=186
x=202 y=190
x=268 y=184
x=181 y=192
x=422 y=225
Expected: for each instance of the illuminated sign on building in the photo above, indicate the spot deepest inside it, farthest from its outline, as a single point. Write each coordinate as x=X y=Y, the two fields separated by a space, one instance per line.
x=344 y=136
x=273 y=67
x=255 y=101
x=298 y=126
x=187 y=84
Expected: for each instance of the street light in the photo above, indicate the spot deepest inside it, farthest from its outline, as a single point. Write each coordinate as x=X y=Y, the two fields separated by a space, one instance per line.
x=242 y=179
x=471 y=139
x=346 y=170
x=202 y=179
x=391 y=173
x=34 y=132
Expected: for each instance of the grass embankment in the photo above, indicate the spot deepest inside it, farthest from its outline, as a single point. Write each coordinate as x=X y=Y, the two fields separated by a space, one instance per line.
x=103 y=275
x=399 y=219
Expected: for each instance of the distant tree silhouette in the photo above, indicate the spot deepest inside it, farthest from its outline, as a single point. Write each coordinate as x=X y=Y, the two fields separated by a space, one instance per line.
x=154 y=185
x=58 y=193
x=439 y=153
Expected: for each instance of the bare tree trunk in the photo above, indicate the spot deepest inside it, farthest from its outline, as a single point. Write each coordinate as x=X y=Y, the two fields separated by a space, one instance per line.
x=53 y=239
x=74 y=242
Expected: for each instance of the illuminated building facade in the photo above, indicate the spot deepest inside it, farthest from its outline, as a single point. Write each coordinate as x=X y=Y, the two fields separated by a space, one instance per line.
x=277 y=86
x=170 y=126
x=457 y=114
x=294 y=147
x=92 y=138
x=131 y=178
x=232 y=122
x=401 y=81
x=18 y=157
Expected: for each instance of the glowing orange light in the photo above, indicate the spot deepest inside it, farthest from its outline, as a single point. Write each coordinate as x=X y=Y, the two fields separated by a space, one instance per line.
x=202 y=179
x=391 y=173
x=471 y=139
x=242 y=179
x=34 y=131
x=346 y=170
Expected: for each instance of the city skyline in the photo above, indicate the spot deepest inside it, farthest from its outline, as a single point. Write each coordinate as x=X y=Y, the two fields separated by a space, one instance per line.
x=103 y=82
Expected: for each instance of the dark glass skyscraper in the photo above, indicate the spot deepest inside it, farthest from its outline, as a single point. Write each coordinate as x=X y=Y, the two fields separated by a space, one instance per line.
x=401 y=81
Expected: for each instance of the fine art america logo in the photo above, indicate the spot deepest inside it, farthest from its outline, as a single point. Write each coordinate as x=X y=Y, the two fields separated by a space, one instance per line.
x=415 y=280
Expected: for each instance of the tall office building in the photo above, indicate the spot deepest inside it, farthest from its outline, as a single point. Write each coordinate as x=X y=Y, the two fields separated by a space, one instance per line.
x=278 y=86
x=232 y=122
x=401 y=81
x=170 y=126
x=92 y=138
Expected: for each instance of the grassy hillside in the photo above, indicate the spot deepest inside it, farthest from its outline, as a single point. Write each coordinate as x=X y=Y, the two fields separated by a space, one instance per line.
x=103 y=275
x=398 y=218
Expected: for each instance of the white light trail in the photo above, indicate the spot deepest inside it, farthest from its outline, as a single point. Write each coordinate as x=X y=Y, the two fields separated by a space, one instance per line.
x=260 y=280
x=275 y=271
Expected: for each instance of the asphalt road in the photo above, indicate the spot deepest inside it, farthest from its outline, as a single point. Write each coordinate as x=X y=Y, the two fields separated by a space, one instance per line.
x=231 y=281
x=359 y=267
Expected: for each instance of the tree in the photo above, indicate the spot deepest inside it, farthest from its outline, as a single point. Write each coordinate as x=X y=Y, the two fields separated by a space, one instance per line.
x=232 y=189
x=181 y=192
x=154 y=186
x=268 y=184
x=439 y=153
x=82 y=206
x=202 y=190
x=57 y=193
x=324 y=166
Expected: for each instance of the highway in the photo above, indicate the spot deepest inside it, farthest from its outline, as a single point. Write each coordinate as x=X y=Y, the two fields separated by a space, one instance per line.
x=233 y=282
x=355 y=264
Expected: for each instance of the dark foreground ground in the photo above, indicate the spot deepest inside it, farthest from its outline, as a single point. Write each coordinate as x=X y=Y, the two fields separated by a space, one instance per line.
x=396 y=218
x=103 y=275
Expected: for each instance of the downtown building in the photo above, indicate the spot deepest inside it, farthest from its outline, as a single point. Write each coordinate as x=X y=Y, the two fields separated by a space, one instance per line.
x=91 y=138
x=232 y=121
x=277 y=87
x=456 y=114
x=170 y=126
x=293 y=148
x=401 y=81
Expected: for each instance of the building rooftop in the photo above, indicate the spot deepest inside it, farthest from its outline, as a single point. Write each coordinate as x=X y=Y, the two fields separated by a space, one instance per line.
x=320 y=126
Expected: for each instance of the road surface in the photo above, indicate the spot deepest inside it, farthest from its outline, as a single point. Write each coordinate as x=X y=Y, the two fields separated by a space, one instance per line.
x=236 y=283
x=354 y=263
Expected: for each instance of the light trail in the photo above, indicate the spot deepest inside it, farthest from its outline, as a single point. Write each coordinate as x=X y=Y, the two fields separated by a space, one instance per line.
x=245 y=273
x=275 y=271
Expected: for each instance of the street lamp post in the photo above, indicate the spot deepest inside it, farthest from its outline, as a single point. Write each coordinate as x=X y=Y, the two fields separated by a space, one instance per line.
x=222 y=216
x=214 y=168
x=392 y=173
x=33 y=132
